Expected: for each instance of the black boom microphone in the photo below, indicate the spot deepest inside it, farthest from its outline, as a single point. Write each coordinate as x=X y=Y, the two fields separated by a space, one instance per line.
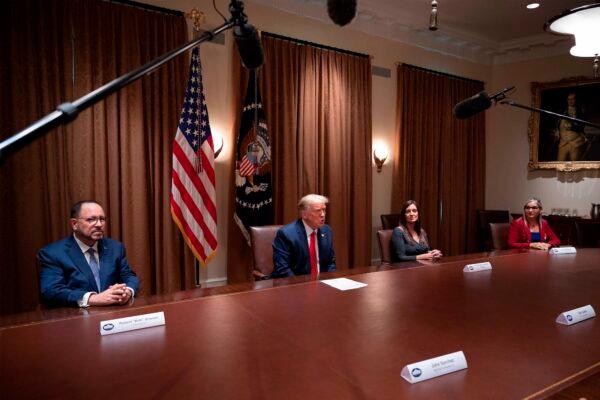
x=249 y=46
x=480 y=102
x=341 y=12
x=246 y=37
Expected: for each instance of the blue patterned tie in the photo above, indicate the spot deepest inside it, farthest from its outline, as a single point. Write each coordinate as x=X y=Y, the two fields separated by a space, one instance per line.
x=95 y=268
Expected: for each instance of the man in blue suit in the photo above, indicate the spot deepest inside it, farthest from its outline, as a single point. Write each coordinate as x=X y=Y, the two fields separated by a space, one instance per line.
x=305 y=246
x=85 y=269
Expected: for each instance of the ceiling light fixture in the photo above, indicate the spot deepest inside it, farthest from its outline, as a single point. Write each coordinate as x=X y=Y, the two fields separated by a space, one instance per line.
x=533 y=6
x=583 y=23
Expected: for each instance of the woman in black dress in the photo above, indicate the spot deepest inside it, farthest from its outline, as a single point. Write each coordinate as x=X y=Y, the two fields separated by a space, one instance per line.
x=409 y=240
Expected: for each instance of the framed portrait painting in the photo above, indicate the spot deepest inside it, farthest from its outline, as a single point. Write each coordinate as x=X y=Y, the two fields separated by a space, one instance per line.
x=558 y=143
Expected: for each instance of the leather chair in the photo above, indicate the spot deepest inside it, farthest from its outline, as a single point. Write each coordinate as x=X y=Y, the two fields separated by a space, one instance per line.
x=384 y=237
x=261 y=238
x=588 y=233
x=389 y=221
x=484 y=218
x=499 y=235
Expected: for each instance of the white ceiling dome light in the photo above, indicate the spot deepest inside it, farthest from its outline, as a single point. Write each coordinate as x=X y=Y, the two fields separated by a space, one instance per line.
x=583 y=23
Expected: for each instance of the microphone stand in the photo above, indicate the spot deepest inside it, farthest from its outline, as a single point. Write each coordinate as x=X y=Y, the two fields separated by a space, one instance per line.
x=67 y=112
x=541 y=111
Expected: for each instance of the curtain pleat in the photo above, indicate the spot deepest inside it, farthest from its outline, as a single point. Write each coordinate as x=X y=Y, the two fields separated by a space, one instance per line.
x=318 y=109
x=439 y=161
x=117 y=152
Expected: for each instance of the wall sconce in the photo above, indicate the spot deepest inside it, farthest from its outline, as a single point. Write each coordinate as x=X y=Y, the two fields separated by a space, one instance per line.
x=380 y=154
x=583 y=23
x=217 y=143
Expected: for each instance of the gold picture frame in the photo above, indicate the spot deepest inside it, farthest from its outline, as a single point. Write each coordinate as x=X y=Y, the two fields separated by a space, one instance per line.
x=559 y=144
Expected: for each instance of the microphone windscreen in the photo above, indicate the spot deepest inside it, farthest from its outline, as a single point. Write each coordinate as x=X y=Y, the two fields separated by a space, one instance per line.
x=341 y=12
x=473 y=105
x=249 y=46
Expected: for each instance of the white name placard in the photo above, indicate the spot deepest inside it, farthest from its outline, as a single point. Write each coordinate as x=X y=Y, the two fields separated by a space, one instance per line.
x=482 y=266
x=563 y=250
x=132 y=323
x=434 y=367
x=576 y=315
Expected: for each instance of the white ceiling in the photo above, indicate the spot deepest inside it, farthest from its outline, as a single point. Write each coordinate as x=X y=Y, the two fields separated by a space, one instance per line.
x=485 y=31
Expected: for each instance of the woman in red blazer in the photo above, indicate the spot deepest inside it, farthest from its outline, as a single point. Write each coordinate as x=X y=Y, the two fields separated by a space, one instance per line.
x=530 y=230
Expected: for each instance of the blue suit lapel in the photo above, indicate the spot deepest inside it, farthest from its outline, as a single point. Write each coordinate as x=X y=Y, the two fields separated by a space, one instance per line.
x=301 y=232
x=321 y=240
x=75 y=254
x=104 y=256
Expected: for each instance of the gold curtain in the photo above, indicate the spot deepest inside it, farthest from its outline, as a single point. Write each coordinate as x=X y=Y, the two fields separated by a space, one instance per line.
x=118 y=152
x=318 y=109
x=439 y=161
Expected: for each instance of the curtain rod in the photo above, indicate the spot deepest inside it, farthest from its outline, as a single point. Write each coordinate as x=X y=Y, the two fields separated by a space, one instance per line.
x=148 y=7
x=317 y=45
x=431 y=71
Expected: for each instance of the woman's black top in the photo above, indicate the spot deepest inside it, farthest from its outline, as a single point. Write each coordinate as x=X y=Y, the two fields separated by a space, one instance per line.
x=404 y=246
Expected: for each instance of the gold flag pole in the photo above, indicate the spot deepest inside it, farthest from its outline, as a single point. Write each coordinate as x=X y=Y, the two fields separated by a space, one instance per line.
x=198 y=18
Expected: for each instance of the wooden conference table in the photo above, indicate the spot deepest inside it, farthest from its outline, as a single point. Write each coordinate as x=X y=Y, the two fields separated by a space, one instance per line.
x=301 y=339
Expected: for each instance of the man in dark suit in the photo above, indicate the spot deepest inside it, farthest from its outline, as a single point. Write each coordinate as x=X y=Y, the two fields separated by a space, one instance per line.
x=85 y=269
x=305 y=246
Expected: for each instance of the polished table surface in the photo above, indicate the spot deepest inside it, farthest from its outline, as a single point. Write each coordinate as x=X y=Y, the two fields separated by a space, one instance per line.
x=299 y=338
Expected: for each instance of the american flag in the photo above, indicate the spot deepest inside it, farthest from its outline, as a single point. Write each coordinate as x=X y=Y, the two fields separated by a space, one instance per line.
x=193 y=197
x=247 y=166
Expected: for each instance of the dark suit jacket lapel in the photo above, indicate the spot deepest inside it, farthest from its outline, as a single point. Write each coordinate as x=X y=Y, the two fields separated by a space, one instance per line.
x=301 y=232
x=104 y=256
x=321 y=240
x=75 y=254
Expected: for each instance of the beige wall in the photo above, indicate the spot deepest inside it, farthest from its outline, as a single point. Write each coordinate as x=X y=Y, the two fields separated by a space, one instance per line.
x=508 y=182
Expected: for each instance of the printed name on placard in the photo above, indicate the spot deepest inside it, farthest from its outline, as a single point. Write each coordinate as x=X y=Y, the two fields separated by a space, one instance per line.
x=132 y=323
x=482 y=266
x=577 y=315
x=434 y=367
x=563 y=250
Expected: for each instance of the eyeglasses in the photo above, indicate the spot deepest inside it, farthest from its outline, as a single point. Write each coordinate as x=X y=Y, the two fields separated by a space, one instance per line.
x=94 y=220
x=532 y=208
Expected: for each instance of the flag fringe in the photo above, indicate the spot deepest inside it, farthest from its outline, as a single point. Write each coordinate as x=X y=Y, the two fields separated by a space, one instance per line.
x=209 y=257
x=240 y=224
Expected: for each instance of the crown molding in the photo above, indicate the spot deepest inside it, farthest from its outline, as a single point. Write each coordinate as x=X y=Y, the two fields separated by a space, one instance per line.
x=388 y=23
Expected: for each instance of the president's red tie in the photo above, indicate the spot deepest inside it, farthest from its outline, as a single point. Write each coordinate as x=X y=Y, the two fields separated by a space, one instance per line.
x=312 y=250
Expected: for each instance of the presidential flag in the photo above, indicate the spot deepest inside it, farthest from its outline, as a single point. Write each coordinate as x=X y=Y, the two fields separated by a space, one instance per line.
x=253 y=191
x=193 y=197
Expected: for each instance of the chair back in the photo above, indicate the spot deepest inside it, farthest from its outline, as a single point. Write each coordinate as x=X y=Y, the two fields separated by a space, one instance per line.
x=384 y=237
x=499 y=235
x=588 y=233
x=261 y=238
x=389 y=221
x=484 y=218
